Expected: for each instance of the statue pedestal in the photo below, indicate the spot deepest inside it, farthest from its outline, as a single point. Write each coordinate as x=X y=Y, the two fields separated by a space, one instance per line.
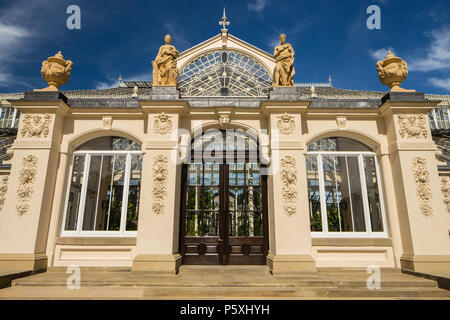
x=283 y=93
x=165 y=93
x=403 y=96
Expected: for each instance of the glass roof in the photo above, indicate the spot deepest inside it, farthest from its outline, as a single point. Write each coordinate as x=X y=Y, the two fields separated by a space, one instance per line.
x=224 y=73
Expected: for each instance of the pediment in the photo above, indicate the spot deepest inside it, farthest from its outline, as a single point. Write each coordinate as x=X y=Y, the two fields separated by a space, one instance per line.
x=226 y=42
x=225 y=66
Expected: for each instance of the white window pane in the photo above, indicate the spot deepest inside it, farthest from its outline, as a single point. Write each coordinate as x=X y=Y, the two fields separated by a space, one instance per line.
x=73 y=205
x=312 y=173
x=373 y=195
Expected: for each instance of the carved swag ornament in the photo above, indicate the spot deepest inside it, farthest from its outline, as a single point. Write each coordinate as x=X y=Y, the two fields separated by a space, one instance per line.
x=445 y=189
x=423 y=189
x=3 y=190
x=160 y=183
x=412 y=126
x=289 y=180
x=27 y=176
x=36 y=125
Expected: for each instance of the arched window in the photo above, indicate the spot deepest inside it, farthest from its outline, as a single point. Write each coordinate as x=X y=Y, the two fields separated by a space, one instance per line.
x=104 y=188
x=344 y=191
x=224 y=73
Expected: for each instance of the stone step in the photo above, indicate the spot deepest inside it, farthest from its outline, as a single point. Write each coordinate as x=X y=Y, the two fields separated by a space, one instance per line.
x=243 y=292
x=218 y=293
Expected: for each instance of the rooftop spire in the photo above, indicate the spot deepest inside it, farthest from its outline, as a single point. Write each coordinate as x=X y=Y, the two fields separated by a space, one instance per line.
x=224 y=23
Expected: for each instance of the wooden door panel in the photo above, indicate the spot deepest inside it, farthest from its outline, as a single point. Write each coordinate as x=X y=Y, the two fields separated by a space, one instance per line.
x=224 y=218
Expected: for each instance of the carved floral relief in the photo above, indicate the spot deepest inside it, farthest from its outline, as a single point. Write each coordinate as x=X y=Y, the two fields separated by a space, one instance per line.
x=412 y=126
x=423 y=188
x=160 y=183
x=289 y=181
x=3 y=190
x=36 y=125
x=162 y=124
x=27 y=176
x=445 y=189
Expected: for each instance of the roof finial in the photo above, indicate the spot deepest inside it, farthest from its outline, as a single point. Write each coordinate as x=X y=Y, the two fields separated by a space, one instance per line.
x=119 y=80
x=224 y=23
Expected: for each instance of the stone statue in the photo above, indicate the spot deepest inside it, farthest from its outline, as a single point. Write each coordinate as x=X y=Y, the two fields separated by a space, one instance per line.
x=392 y=71
x=165 y=70
x=56 y=71
x=284 y=70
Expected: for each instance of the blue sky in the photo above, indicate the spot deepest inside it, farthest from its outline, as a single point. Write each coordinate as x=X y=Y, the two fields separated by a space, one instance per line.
x=122 y=37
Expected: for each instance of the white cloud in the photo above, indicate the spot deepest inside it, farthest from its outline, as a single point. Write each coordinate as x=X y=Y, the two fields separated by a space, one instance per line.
x=441 y=83
x=10 y=44
x=380 y=54
x=258 y=5
x=437 y=55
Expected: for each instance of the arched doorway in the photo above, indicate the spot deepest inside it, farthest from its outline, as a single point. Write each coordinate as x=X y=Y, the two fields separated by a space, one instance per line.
x=224 y=201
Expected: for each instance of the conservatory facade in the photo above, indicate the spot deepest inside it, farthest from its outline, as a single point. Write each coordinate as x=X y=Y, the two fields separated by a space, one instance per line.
x=224 y=169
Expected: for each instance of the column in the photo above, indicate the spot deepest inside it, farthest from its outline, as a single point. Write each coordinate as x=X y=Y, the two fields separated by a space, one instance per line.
x=420 y=207
x=25 y=217
x=291 y=247
x=159 y=216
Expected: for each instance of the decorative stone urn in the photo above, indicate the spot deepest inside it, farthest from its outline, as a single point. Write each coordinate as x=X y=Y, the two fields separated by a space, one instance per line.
x=392 y=71
x=56 y=71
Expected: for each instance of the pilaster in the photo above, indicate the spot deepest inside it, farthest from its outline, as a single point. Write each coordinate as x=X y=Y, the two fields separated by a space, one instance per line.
x=157 y=240
x=290 y=245
x=24 y=220
x=421 y=211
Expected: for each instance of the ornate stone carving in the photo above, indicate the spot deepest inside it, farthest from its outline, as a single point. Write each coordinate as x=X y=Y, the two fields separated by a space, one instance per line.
x=3 y=189
x=412 y=126
x=160 y=183
x=162 y=124
x=135 y=92
x=107 y=122
x=56 y=71
x=289 y=180
x=341 y=122
x=445 y=189
x=27 y=176
x=284 y=72
x=224 y=120
x=36 y=125
x=392 y=71
x=423 y=189
x=165 y=70
x=286 y=124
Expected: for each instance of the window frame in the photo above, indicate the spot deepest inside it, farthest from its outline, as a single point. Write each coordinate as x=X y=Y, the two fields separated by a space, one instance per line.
x=87 y=161
x=350 y=234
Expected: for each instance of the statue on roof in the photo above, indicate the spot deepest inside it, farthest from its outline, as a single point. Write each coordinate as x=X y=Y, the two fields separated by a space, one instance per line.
x=284 y=70
x=165 y=70
x=56 y=71
x=392 y=71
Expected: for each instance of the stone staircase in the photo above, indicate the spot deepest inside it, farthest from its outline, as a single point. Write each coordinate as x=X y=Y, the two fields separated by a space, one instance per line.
x=219 y=282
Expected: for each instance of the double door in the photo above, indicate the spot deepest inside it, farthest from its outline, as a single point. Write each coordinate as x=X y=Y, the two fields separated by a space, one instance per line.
x=223 y=214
